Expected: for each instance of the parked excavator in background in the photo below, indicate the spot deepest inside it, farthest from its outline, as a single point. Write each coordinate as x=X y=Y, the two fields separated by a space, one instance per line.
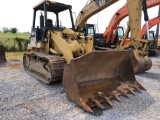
x=152 y=22
x=153 y=51
x=118 y=17
x=114 y=33
x=89 y=76
x=2 y=54
x=100 y=40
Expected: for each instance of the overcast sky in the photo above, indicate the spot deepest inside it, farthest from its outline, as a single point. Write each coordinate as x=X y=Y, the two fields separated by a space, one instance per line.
x=19 y=13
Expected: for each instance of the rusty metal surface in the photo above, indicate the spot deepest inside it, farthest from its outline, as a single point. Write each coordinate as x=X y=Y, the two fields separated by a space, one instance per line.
x=98 y=77
x=2 y=54
x=141 y=63
x=45 y=67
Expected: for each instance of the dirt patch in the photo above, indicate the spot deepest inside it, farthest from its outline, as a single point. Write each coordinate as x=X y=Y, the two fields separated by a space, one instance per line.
x=11 y=66
x=15 y=66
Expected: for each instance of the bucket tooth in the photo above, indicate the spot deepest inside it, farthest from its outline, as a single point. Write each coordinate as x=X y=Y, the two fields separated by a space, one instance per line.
x=123 y=93
x=131 y=91
x=97 y=103
x=102 y=95
x=115 y=96
x=141 y=85
x=136 y=88
x=85 y=106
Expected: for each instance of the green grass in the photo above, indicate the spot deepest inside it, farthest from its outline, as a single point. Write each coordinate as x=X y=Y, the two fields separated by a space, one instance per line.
x=9 y=42
x=12 y=36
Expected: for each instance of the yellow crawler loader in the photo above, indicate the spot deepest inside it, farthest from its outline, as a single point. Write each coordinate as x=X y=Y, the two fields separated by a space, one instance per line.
x=89 y=76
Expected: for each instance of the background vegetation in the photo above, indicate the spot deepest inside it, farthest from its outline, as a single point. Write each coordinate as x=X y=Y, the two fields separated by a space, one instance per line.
x=15 y=44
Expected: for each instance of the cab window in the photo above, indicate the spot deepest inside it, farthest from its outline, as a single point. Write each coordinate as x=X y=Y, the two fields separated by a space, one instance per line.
x=90 y=30
x=120 y=32
x=151 y=36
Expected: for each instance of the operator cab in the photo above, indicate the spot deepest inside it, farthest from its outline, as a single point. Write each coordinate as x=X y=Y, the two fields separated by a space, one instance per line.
x=99 y=40
x=47 y=8
x=120 y=32
x=151 y=39
x=90 y=30
x=151 y=35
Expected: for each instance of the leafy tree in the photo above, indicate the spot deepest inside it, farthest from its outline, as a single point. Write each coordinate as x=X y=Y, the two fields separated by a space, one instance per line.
x=5 y=29
x=13 y=30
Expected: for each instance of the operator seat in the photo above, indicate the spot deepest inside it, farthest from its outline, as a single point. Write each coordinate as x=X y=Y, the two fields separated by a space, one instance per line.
x=49 y=24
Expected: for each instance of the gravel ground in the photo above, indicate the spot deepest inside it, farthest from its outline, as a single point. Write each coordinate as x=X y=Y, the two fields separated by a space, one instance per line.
x=24 y=97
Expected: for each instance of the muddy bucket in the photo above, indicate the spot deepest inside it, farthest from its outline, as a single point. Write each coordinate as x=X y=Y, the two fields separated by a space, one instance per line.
x=2 y=54
x=98 y=77
x=140 y=63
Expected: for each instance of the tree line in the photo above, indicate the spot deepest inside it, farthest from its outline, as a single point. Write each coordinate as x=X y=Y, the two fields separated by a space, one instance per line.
x=12 y=30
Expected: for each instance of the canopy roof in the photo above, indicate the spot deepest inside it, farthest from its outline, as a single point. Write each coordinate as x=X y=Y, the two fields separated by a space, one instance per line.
x=52 y=6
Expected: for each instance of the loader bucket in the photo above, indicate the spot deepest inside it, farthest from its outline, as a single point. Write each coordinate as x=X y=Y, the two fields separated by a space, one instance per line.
x=2 y=54
x=98 y=77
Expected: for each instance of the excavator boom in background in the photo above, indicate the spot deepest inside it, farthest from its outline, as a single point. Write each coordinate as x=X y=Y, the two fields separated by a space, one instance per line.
x=120 y=33
x=118 y=17
x=152 y=22
x=90 y=9
x=89 y=76
x=152 y=50
x=2 y=54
